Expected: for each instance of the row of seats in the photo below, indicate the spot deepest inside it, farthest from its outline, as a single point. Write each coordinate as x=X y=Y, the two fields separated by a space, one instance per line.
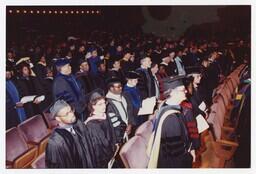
x=26 y=143
x=221 y=141
x=219 y=147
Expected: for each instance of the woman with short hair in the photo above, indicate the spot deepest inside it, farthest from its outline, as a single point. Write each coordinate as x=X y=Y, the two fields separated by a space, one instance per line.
x=100 y=130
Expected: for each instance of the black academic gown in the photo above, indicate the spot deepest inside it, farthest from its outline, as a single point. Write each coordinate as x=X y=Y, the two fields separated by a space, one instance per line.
x=116 y=120
x=102 y=135
x=146 y=84
x=87 y=81
x=68 y=150
x=174 y=145
x=28 y=87
x=191 y=124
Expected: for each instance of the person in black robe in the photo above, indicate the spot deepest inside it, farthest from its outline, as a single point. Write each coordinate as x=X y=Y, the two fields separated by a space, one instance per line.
x=198 y=93
x=47 y=84
x=66 y=87
x=100 y=78
x=188 y=112
x=100 y=130
x=86 y=79
x=41 y=68
x=119 y=110
x=28 y=85
x=170 y=136
x=125 y=62
x=69 y=145
x=116 y=71
x=146 y=84
x=78 y=56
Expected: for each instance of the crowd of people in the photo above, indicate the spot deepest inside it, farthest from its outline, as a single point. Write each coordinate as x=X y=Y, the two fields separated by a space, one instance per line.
x=95 y=88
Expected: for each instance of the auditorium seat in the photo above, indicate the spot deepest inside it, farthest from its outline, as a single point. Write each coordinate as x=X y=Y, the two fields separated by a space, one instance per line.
x=217 y=153
x=18 y=153
x=50 y=121
x=39 y=163
x=35 y=132
x=145 y=130
x=133 y=153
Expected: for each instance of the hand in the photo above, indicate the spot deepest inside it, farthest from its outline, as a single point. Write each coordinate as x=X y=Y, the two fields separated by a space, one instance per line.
x=193 y=153
x=19 y=104
x=36 y=101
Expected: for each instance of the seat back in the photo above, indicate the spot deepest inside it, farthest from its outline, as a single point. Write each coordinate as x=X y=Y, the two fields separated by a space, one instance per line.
x=145 y=130
x=15 y=144
x=39 y=163
x=133 y=153
x=50 y=121
x=34 y=129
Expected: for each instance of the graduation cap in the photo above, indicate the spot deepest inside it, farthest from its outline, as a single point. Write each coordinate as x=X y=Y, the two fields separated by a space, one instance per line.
x=132 y=75
x=61 y=62
x=173 y=82
x=23 y=59
x=164 y=54
x=127 y=50
x=57 y=106
x=193 y=70
x=113 y=80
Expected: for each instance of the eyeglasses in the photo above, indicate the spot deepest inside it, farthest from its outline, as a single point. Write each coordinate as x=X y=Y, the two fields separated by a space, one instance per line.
x=72 y=110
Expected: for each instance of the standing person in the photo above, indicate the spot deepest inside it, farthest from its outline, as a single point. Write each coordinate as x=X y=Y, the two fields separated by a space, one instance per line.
x=65 y=86
x=47 y=84
x=154 y=70
x=198 y=94
x=119 y=110
x=146 y=83
x=69 y=145
x=168 y=61
x=78 y=56
x=169 y=146
x=29 y=85
x=188 y=112
x=180 y=69
x=116 y=71
x=125 y=62
x=100 y=129
x=85 y=78
x=94 y=60
x=160 y=76
x=41 y=67
x=15 y=112
x=101 y=77
x=131 y=91
x=10 y=60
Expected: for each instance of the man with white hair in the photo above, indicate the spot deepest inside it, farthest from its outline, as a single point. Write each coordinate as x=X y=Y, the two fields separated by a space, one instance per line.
x=169 y=146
